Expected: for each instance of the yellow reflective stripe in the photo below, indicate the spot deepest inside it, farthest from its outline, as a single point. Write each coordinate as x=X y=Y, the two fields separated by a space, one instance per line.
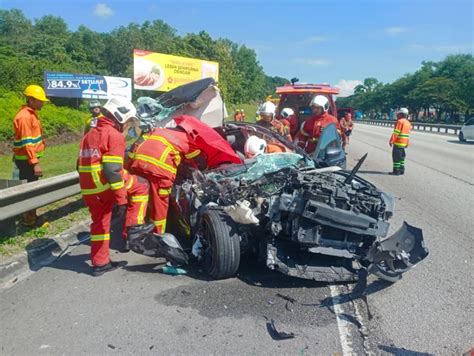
x=101 y=237
x=164 y=141
x=400 y=144
x=141 y=213
x=165 y=153
x=396 y=131
x=26 y=157
x=155 y=162
x=159 y=223
x=117 y=185
x=89 y=169
x=98 y=190
x=112 y=159
x=139 y=198
x=164 y=191
x=404 y=135
x=193 y=154
x=130 y=183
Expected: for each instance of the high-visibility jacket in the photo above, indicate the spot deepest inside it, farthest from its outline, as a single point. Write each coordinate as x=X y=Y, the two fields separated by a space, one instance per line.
x=100 y=163
x=160 y=153
x=311 y=130
x=275 y=126
x=91 y=122
x=28 y=144
x=401 y=133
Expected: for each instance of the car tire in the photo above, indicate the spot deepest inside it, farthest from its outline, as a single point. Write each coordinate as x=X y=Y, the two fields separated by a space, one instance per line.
x=381 y=271
x=221 y=244
x=461 y=137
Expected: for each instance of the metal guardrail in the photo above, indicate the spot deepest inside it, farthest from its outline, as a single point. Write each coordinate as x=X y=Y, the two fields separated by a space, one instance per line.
x=22 y=198
x=418 y=126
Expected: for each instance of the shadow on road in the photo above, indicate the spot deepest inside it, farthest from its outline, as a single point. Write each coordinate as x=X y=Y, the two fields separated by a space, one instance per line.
x=457 y=142
x=373 y=172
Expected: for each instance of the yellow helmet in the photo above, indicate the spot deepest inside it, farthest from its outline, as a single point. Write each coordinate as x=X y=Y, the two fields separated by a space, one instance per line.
x=35 y=91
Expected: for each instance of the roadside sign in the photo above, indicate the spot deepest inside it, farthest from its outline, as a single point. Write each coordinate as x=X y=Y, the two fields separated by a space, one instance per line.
x=86 y=86
x=163 y=72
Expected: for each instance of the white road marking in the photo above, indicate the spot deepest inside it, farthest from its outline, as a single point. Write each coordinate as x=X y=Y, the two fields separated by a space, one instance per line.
x=342 y=324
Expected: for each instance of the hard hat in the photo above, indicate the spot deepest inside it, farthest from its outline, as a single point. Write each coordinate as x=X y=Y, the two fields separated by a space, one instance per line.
x=322 y=101
x=403 y=111
x=35 y=91
x=267 y=108
x=242 y=110
x=121 y=109
x=287 y=112
x=94 y=104
x=254 y=146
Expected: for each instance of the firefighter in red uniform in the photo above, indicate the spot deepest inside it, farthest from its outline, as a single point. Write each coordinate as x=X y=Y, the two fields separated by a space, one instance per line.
x=267 y=120
x=291 y=121
x=399 y=141
x=156 y=156
x=312 y=128
x=104 y=183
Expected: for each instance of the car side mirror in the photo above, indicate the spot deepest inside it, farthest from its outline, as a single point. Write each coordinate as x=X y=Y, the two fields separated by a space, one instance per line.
x=333 y=153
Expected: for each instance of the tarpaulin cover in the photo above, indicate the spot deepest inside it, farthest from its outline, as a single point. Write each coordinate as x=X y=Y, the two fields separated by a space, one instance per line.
x=217 y=149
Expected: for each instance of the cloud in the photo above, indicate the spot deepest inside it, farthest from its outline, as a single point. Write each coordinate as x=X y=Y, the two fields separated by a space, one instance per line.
x=102 y=10
x=346 y=87
x=393 y=31
x=312 y=61
x=311 y=39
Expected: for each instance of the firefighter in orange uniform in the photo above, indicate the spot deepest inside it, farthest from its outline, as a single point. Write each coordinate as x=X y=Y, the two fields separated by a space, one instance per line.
x=156 y=156
x=312 y=128
x=399 y=141
x=267 y=120
x=29 y=145
x=104 y=183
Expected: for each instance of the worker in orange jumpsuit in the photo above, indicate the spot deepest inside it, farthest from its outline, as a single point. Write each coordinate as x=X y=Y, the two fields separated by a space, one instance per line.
x=308 y=136
x=104 y=183
x=29 y=145
x=156 y=156
x=399 y=141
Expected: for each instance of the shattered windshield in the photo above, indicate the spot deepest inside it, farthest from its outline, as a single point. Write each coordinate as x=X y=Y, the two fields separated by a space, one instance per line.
x=260 y=165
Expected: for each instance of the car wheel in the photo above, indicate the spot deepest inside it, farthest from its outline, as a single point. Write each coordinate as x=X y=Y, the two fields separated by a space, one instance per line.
x=221 y=244
x=461 y=137
x=382 y=271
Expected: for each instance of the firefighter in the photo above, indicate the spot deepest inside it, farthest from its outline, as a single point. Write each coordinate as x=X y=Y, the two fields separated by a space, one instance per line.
x=308 y=135
x=255 y=146
x=399 y=141
x=238 y=115
x=29 y=145
x=242 y=114
x=156 y=156
x=96 y=113
x=267 y=119
x=104 y=183
x=290 y=120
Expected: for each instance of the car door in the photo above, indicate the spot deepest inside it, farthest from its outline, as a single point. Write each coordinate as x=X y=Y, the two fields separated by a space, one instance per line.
x=468 y=130
x=329 y=151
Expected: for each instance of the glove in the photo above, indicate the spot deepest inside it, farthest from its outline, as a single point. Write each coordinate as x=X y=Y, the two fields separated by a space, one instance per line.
x=119 y=211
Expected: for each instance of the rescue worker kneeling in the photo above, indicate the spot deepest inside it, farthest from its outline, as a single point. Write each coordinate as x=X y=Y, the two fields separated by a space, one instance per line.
x=255 y=146
x=104 y=183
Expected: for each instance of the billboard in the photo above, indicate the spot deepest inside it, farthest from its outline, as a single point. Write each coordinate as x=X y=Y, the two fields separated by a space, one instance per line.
x=86 y=86
x=163 y=72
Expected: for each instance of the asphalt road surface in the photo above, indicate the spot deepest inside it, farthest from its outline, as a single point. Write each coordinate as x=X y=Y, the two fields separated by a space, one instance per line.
x=60 y=309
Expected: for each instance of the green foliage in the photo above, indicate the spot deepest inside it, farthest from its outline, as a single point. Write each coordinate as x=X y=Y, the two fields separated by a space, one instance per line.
x=446 y=86
x=27 y=49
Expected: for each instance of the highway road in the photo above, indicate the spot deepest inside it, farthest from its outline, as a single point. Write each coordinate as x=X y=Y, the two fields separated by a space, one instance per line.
x=60 y=309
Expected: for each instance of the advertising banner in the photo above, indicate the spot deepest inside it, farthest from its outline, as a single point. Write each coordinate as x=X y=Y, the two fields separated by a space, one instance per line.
x=86 y=86
x=163 y=72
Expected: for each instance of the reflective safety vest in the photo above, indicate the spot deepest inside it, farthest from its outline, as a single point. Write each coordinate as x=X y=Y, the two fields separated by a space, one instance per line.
x=160 y=153
x=401 y=133
x=28 y=144
x=100 y=162
x=312 y=128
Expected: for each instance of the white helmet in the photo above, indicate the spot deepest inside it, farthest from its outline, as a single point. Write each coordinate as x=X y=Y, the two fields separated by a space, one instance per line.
x=267 y=108
x=322 y=101
x=403 y=111
x=287 y=112
x=254 y=146
x=121 y=109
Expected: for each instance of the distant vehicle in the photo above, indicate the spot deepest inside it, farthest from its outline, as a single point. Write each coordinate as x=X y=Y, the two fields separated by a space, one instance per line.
x=298 y=98
x=467 y=131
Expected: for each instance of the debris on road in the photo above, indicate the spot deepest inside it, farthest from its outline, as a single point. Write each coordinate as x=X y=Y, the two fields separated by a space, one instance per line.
x=278 y=335
x=110 y=346
x=287 y=298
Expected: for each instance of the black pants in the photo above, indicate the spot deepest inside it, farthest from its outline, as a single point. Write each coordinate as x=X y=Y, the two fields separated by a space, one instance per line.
x=26 y=171
x=398 y=157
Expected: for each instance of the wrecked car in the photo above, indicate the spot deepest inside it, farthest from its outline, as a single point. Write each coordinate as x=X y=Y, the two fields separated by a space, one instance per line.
x=301 y=215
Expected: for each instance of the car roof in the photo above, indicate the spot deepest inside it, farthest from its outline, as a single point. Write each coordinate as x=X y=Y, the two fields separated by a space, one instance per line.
x=307 y=88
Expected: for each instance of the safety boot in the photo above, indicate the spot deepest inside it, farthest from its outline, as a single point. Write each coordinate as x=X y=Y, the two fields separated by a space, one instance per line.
x=396 y=172
x=109 y=267
x=402 y=171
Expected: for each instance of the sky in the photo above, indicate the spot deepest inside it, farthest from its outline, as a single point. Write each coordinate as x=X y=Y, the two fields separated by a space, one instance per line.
x=318 y=41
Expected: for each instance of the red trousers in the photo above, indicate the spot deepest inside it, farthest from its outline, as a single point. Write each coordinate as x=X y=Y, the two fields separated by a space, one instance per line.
x=160 y=196
x=100 y=207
